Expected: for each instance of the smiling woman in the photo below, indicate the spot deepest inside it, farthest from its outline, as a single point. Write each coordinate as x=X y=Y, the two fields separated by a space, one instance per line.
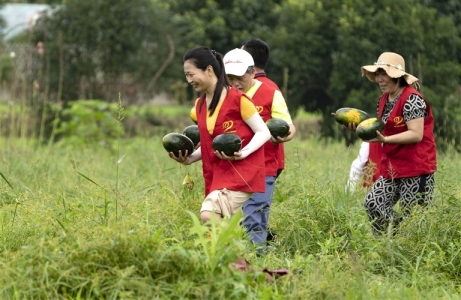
x=223 y=109
x=408 y=158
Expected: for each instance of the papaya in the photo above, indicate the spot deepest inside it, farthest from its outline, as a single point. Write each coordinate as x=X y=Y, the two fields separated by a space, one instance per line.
x=192 y=133
x=173 y=142
x=348 y=115
x=278 y=127
x=366 y=130
x=227 y=143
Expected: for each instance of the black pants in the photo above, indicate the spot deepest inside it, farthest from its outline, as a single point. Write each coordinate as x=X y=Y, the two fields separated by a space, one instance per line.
x=385 y=193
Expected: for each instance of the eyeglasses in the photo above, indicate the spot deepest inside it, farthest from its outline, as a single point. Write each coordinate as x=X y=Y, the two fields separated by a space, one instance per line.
x=382 y=63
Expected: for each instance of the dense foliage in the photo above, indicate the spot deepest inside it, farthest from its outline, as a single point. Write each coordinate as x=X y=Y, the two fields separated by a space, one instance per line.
x=98 y=48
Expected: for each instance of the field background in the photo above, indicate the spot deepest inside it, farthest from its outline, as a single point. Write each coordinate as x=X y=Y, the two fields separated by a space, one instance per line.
x=101 y=221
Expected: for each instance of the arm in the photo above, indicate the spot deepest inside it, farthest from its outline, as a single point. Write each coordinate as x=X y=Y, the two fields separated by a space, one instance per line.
x=251 y=117
x=262 y=135
x=414 y=112
x=413 y=135
x=359 y=163
x=357 y=166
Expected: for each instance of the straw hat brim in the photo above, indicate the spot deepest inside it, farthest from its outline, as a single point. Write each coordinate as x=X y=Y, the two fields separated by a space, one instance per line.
x=369 y=72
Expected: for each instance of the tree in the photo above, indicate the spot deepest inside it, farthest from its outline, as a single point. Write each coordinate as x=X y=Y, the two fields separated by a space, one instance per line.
x=2 y=21
x=304 y=43
x=428 y=43
x=448 y=8
x=104 y=42
x=324 y=44
x=220 y=25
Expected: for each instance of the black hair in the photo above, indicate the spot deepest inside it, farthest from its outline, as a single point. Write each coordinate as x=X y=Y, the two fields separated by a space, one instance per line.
x=259 y=50
x=400 y=81
x=202 y=57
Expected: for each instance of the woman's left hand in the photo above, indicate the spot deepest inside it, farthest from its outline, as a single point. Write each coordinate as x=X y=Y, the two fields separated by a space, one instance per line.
x=279 y=139
x=222 y=155
x=380 y=138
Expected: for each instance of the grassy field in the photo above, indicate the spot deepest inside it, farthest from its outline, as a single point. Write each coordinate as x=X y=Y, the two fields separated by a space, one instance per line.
x=92 y=222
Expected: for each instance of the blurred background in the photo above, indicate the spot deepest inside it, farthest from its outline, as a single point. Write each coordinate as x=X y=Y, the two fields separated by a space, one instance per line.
x=67 y=65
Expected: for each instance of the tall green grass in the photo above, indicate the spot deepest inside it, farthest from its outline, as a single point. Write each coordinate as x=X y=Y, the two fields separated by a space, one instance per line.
x=80 y=223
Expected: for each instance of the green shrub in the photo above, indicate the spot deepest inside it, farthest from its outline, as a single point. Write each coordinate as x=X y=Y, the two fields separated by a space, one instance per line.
x=89 y=121
x=6 y=65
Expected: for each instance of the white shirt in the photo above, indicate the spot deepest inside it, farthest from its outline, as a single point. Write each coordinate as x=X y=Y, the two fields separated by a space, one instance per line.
x=358 y=166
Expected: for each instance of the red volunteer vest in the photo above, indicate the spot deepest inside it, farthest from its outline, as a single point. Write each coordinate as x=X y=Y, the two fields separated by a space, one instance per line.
x=263 y=98
x=409 y=160
x=261 y=76
x=245 y=175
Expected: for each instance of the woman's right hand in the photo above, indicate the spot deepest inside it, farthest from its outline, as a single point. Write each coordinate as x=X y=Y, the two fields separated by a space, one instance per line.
x=350 y=126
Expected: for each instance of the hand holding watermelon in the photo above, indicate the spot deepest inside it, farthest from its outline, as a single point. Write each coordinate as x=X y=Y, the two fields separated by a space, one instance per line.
x=370 y=130
x=279 y=129
x=178 y=146
x=227 y=146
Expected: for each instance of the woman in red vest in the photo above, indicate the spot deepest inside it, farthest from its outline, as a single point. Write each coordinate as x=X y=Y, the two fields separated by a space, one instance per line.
x=229 y=180
x=408 y=159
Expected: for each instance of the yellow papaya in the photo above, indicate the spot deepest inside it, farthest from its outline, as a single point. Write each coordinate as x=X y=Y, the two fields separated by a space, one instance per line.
x=348 y=115
x=366 y=130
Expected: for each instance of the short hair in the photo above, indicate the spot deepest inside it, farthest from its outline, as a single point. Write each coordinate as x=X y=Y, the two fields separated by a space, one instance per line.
x=259 y=50
x=401 y=82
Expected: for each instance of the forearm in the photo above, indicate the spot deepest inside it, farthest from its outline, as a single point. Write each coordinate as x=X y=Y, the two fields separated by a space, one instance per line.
x=195 y=156
x=261 y=136
x=406 y=137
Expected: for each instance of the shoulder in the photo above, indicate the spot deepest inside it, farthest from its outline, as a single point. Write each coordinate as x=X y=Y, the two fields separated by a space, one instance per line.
x=415 y=100
x=234 y=93
x=269 y=82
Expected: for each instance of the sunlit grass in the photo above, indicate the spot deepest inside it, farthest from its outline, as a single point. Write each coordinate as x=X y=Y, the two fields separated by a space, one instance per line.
x=89 y=225
x=303 y=115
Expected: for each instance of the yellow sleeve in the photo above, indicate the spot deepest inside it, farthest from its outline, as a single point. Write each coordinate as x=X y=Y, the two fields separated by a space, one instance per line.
x=279 y=108
x=193 y=113
x=247 y=108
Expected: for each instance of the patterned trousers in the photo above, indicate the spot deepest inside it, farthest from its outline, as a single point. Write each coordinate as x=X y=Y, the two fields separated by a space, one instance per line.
x=385 y=193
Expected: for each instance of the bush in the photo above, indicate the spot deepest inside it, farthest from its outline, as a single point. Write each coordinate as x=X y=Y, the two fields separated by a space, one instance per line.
x=89 y=121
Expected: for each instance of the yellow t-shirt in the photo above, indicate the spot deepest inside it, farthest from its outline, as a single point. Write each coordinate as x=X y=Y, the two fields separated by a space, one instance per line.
x=247 y=110
x=279 y=107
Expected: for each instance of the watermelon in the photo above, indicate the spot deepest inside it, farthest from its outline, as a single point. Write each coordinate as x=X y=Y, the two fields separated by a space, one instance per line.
x=348 y=115
x=173 y=142
x=278 y=127
x=227 y=143
x=192 y=133
x=366 y=130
